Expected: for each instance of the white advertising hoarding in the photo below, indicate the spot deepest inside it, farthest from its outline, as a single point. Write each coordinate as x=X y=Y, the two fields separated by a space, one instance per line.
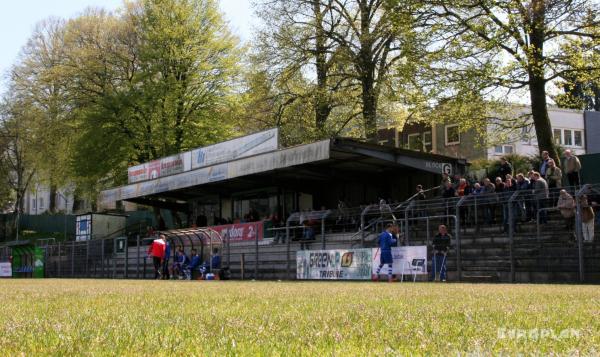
x=403 y=258
x=5 y=270
x=236 y=148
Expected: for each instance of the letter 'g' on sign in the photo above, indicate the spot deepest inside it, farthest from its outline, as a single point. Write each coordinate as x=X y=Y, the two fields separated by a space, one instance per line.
x=447 y=169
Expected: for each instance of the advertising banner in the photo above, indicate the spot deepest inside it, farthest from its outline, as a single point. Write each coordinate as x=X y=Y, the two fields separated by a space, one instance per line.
x=137 y=173
x=236 y=148
x=240 y=231
x=172 y=165
x=153 y=169
x=337 y=264
x=5 y=270
x=403 y=258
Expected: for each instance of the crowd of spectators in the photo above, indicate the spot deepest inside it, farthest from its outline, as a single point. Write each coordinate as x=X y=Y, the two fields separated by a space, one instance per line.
x=540 y=191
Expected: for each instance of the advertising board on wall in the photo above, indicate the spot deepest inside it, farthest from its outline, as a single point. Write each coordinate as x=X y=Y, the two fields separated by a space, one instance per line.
x=355 y=264
x=236 y=148
x=240 y=231
x=244 y=146
x=337 y=264
x=5 y=270
x=403 y=258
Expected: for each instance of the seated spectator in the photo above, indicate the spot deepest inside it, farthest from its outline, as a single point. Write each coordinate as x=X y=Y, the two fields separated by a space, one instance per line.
x=566 y=205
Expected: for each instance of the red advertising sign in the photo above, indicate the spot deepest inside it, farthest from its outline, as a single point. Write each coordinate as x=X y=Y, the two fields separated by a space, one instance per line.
x=153 y=169
x=240 y=231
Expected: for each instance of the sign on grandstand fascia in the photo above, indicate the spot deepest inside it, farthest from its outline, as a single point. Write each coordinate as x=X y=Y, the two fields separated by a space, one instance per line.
x=444 y=167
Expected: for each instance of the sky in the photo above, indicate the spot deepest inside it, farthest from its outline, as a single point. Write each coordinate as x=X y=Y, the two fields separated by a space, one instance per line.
x=18 y=19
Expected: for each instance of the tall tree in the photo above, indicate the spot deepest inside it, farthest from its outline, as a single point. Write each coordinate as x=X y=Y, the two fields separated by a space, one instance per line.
x=513 y=45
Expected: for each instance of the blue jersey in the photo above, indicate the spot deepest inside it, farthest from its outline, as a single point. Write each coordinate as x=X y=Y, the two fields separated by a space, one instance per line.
x=167 y=251
x=386 y=241
x=195 y=262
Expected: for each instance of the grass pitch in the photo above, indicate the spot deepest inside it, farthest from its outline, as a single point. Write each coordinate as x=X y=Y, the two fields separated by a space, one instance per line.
x=116 y=317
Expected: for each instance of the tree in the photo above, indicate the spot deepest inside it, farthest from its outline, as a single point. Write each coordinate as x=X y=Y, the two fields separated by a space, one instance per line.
x=36 y=79
x=512 y=45
x=17 y=148
x=581 y=89
x=294 y=46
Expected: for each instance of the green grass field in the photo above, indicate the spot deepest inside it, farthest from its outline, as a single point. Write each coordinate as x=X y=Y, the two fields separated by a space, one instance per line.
x=115 y=317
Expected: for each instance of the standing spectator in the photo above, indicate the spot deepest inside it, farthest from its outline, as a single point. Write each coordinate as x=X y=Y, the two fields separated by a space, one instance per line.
x=505 y=168
x=490 y=200
x=554 y=179
x=544 y=164
x=510 y=183
x=463 y=188
x=420 y=195
x=503 y=197
x=525 y=206
x=419 y=204
x=566 y=205
x=157 y=252
x=540 y=193
x=449 y=191
x=587 y=219
x=441 y=245
x=386 y=241
x=553 y=175
x=445 y=180
x=572 y=168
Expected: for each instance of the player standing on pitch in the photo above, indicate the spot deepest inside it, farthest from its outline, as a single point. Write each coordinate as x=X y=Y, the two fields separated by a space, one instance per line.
x=386 y=241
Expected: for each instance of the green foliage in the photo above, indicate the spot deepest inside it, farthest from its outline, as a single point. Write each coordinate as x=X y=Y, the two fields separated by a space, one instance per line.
x=116 y=89
x=521 y=164
x=126 y=318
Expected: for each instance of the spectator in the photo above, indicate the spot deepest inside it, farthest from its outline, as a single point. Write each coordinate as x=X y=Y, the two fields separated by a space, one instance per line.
x=525 y=207
x=505 y=168
x=510 y=183
x=420 y=195
x=587 y=220
x=449 y=191
x=445 y=180
x=566 y=205
x=540 y=193
x=441 y=245
x=157 y=252
x=490 y=200
x=553 y=175
x=386 y=241
x=572 y=168
x=544 y=165
x=463 y=188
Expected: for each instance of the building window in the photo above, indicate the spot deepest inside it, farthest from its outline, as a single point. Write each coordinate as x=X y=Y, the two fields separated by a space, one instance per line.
x=568 y=137
x=452 y=134
x=557 y=136
x=503 y=149
x=427 y=141
x=33 y=203
x=414 y=142
x=41 y=203
x=578 y=138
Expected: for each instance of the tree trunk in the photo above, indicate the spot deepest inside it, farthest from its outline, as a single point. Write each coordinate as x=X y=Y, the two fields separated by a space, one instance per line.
x=52 y=203
x=537 y=81
x=322 y=105
x=367 y=73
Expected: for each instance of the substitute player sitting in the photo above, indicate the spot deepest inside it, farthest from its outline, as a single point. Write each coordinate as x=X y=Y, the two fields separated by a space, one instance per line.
x=386 y=241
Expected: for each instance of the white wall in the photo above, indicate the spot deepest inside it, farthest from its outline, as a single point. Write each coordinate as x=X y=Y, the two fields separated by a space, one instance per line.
x=37 y=200
x=559 y=119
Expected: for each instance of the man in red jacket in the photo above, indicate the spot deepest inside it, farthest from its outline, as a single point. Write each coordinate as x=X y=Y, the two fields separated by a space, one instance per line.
x=157 y=252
